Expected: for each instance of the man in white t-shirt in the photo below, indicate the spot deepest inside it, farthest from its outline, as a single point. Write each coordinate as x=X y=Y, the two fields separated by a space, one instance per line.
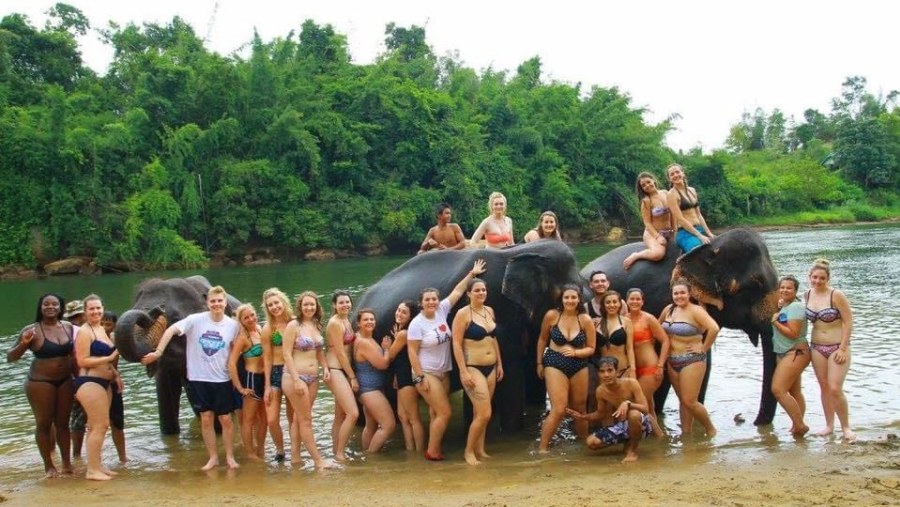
x=209 y=337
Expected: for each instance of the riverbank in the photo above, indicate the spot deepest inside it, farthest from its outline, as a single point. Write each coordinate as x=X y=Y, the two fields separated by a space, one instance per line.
x=824 y=474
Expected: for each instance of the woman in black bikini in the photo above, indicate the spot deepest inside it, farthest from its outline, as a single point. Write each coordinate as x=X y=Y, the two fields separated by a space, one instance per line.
x=96 y=356
x=407 y=396
x=684 y=205
x=832 y=322
x=567 y=340
x=615 y=334
x=48 y=386
x=477 y=355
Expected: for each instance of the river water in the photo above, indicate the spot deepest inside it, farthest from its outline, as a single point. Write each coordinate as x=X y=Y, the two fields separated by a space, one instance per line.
x=865 y=264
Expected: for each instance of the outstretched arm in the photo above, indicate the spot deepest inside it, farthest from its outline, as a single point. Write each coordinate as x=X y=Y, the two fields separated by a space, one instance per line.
x=460 y=288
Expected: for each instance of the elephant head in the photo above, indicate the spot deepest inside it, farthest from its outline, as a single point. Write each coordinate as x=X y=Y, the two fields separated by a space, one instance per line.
x=735 y=277
x=533 y=279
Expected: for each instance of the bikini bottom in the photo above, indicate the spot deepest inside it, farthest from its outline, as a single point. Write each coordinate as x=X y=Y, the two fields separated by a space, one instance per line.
x=485 y=370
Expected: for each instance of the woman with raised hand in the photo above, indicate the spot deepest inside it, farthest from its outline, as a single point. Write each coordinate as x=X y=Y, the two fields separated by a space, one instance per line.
x=342 y=382
x=278 y=315
x=649 y=366
x=692 y=333
x=96 y=356
x=478 y=359
x=497 y=228
x=791 y=353
x=658 y=223
x=568 y=338
x=252 y=384
x=371 y=362
x=829 y=312
x=303 y=354
x=428 y=341
x=407 y=396
x=547 y=228
x=684 y=204
x=49 y=387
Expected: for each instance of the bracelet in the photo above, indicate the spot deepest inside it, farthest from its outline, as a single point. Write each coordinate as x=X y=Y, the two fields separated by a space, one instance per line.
x=417 y=379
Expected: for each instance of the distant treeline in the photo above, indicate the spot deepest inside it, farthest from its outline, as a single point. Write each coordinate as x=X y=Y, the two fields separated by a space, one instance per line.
x=177 y=152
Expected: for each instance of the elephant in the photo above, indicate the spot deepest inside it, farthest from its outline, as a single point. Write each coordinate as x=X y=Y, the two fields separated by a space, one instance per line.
x=523 y=282
x=733 y=276
x=158 y=304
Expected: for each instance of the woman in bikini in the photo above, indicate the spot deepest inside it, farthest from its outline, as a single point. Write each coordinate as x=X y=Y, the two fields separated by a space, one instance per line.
x=684 y=205
x=832 y=322
x=615 y=336
x=658 y=224
x=407 y=396
x=342 y=382
x=547 y=228
x=371 y=362
x=303 y=354
x=278 y=315
x=48 y=386
x=567 y=340
x=252 y=384
x=692 y=333
x=96 y=356
x=649 y=366
x=497 y=228
x=428 y=342
x=791 y=353
x=477 y=355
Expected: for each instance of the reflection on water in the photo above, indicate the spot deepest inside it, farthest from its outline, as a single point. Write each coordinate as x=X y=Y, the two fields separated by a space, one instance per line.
x=865 y=264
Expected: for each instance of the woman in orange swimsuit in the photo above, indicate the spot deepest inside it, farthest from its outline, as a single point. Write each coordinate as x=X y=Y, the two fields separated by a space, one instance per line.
x=497 y=229
x=647 y=333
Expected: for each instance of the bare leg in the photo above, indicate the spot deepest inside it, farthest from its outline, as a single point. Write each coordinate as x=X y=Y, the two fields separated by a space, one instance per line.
x=785 y=382
x=654 y=251
x=480 y=396
x=42 y=397
x=95 y=400
x=273 y=417
x=345 y=413
x=438 y=402
x=649 y=385
x=558 y=391
x=689 y=381
x=820 y=367
x=408 y=410
x=208 y=432
x=635 y=434
x=379 y=410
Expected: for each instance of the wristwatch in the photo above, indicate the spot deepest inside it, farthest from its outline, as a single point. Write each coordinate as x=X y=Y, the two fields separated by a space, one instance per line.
x=418 y=379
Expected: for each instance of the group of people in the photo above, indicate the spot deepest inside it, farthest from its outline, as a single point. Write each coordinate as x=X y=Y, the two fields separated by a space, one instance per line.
x=608 y=345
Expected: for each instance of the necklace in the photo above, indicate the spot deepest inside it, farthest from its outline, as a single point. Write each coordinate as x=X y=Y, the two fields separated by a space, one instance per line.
x=482 y=315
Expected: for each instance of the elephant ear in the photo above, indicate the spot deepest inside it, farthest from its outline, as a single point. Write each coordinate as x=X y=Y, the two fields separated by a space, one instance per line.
x=525 y=280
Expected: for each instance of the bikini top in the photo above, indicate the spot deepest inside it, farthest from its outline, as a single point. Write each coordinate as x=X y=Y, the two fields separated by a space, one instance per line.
x=495 y=237
x=617 y=337
x=643 y=335
x=255 y=350
x=349 y=337
x=677 y=328
x=577 y=341
x=101 y=349
x=307 y=343
x=826 y=315
x=658 y=211
x=276 y=338
x=476 y=332
x=51 y=349
x=686 y=203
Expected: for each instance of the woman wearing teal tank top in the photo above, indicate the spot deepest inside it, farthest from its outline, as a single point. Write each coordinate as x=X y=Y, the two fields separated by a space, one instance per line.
x=278 y=314
x=251 y=385
x=791 y=353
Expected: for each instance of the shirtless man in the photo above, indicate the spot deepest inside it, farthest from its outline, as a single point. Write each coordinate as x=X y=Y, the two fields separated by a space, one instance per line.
x=621 y=410
x=444 y=235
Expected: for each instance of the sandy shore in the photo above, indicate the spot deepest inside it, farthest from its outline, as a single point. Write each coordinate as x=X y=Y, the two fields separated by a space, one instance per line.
x=828 y=474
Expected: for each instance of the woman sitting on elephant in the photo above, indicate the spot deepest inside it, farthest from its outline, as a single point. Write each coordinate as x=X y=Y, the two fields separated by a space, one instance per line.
x=407 y=396
x=371 y=361
x=48 y=386
x=252 y=384
x=428 y=340
x=302 y=357
x=343 y=383
x=648 y=365
x=692 y=333
x=658 y=224
x=278 y=315
x=96 y=356
x=684 y=205
x=832 y=322
x=480 y=367
x=547 y=228
x=615 y=336
x=568 y=338
x=791 y=353
x=497 y=228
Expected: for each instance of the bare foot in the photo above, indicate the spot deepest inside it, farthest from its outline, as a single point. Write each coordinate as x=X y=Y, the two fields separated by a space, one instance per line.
x=543 y=451
x=482 y=455
x=123 y=459
x=471 y=459
x=799 y=432
x=51 y=473
x=630 y=457
x=232 y=464
x=67 y=469
x=110 y=472
x=629 y=261
x=212 y=463
x=340 y=457
x=824 y=432
x=96 y=476
x=254 y=457
x=328 y=465
x=711 y=432
x=849 y=436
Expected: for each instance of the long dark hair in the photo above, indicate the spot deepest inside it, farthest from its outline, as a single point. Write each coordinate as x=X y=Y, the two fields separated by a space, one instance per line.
x=39 y=316
x=571 y=286
x=604 y=318
x=413 y=311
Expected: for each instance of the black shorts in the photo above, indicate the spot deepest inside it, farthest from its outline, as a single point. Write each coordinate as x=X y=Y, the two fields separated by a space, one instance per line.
x=216 y=397
x=117 y=411
x=403 y=370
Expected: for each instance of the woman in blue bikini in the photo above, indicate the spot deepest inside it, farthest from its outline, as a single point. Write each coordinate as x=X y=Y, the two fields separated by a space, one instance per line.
x=832 y=322
x=684 y=204
x=692 y=333
x=568 y=338
x=252 y=384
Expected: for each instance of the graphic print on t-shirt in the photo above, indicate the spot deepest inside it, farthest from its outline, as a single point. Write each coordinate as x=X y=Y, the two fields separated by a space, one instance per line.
x=211 y=342
x=442 y=333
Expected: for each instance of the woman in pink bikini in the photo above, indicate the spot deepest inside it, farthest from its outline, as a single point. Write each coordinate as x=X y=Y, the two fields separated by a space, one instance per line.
x=497 y=229
x=832 y=322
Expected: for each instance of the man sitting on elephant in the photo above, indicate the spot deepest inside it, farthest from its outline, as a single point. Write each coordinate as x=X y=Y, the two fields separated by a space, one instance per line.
x=209 y=337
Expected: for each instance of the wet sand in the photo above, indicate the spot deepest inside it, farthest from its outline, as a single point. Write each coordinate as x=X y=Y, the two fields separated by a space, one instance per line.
x=826 y=473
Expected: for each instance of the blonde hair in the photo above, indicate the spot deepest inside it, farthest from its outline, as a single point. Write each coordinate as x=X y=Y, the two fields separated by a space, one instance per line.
x=823 y=264
x=241 y=310
x=215 y=291
x=285 y=302
x=495 y=195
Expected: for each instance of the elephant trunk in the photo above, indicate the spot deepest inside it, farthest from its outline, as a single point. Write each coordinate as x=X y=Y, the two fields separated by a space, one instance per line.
x=138 y=332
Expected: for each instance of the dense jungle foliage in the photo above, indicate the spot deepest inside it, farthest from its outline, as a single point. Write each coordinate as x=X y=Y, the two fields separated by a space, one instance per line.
x=177 y=152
